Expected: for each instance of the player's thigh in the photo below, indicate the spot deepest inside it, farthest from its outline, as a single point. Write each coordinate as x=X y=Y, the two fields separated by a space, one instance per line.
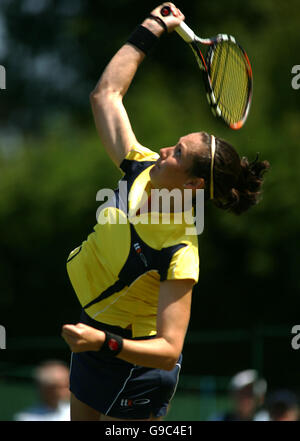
x=82 y=412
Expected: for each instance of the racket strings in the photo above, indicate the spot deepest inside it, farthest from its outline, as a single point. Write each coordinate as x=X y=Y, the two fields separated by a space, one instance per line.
x=230 y=80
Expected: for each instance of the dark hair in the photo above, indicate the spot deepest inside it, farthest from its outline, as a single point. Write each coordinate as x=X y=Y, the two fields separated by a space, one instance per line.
x=280 y=402
x=237 y=182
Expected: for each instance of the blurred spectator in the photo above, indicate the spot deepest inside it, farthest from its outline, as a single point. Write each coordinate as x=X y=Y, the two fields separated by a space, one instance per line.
x=52 y=380
x=247 y=393
x=283 y=405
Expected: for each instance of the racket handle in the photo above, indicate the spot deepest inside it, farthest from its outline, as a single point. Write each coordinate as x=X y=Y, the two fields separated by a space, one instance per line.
x=183 y=30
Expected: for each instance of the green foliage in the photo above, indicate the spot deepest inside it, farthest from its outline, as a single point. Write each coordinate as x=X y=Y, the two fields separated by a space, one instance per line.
x=48 y=207
x=249 y=264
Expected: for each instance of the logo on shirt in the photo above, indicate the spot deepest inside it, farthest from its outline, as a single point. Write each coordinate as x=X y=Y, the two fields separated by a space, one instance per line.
x=138 y=402
x=138 y=250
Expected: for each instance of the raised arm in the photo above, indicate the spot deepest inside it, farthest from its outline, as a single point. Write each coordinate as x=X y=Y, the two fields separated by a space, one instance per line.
x=161 y=352
x=110 y=115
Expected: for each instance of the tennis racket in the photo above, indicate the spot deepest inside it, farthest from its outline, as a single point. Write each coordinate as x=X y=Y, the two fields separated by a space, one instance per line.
x=226 y=71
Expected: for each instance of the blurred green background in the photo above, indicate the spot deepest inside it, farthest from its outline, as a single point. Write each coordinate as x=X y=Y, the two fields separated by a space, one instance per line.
x=52 y=165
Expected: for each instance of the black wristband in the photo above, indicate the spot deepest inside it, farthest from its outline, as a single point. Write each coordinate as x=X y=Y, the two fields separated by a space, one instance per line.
x=143 y=39
x=159 y=21
x=112 y=345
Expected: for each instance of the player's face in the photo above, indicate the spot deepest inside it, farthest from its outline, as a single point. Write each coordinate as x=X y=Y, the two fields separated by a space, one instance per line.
x=172 y=169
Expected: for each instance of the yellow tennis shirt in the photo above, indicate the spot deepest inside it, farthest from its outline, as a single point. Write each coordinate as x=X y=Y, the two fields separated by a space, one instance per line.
x=116 y=272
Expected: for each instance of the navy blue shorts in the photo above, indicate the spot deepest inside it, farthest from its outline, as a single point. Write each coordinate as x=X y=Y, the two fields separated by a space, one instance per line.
x=117 y=388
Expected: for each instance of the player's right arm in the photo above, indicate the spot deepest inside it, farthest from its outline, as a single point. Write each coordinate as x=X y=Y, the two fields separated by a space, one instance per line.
x=110 y=115
x=111 y=119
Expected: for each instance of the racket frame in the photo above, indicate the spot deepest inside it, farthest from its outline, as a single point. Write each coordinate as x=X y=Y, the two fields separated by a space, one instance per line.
x=205 y=64
x=189 y=36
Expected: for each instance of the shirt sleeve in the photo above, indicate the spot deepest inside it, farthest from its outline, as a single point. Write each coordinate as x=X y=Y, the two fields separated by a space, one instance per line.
x=185 y=264
x=138 y=157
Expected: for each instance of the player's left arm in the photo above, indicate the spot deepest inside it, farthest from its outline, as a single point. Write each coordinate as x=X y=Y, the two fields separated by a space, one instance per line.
x=161 y=352
x=173 y=317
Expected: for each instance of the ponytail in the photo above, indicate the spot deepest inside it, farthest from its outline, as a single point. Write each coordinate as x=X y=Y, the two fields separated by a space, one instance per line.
x=236 y=181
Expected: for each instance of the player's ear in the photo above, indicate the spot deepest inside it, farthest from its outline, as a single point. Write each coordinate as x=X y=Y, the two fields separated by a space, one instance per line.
x=194 y=183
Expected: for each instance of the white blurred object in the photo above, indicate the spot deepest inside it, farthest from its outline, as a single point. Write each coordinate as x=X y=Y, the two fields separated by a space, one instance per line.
x=44 y=413
x=246 y=378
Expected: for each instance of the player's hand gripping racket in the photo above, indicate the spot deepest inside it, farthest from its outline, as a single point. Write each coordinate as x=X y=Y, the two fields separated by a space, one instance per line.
x=227 y=73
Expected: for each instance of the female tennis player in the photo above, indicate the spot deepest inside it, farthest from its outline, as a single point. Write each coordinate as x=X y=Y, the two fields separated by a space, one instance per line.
x=134 y=280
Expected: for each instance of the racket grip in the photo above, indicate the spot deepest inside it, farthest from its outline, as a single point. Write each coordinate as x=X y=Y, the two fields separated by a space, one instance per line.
x=183 y=30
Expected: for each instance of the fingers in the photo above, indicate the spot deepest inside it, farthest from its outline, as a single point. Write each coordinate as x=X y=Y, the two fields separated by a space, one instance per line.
x=82 y=337
x=71 y=330
x=180 y=14
x=71 y=335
